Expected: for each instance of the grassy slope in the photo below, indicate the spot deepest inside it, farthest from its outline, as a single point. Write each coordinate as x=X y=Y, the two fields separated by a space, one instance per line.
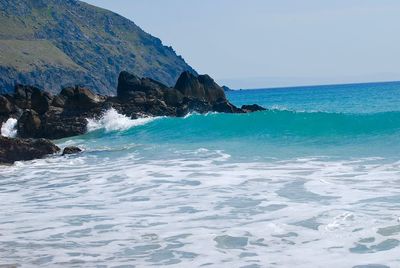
x=28 y=55
x=38 y=35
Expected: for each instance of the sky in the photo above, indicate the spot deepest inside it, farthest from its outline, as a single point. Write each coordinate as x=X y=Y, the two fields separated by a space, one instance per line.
x=274 y=43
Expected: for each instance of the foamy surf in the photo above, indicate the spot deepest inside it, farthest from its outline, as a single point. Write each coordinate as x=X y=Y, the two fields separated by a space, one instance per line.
x=111 y=120
x=197 y=208
x=9 y=128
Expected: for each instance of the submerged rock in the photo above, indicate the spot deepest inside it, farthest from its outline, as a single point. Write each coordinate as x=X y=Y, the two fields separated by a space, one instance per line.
x=16 y=149
x=71 y=150
x=252 y=108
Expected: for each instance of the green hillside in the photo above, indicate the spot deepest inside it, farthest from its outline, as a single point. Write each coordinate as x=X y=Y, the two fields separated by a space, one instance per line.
x=54 y=43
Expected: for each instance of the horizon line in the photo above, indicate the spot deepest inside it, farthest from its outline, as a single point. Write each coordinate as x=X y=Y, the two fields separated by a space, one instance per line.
x=319 y=85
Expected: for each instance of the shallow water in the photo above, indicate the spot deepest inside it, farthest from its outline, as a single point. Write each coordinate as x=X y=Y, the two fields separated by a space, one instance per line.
x=283 y=188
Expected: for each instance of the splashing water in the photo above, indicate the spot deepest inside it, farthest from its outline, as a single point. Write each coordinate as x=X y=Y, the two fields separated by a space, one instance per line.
x=9 y=128
x=111 y=120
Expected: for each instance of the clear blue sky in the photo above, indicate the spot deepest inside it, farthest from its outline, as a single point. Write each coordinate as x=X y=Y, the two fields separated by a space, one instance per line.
x=257 y=43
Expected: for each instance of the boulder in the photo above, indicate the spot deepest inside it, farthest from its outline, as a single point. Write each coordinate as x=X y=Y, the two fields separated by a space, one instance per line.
x=189 y=85
x=173 y=97
x=22 y=96
x=77 y=99
x=12 y=149
x=139 y=97
x=193 y=105
x=156 y=107
x=6 y=107
x=40 y=101
x=58 y=126
x=214 y=93
x=58 y=101
x=3 y=119
x=71 y=150
x=29 y=124
x=226 y=107
x=129 y=84
x=201 y=87
x=252 y=108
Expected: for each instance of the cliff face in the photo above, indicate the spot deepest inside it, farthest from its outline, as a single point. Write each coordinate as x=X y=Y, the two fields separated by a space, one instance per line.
x=56 y=43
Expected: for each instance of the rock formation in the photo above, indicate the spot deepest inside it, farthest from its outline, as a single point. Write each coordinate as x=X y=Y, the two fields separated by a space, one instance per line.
x=12 y=150
x=42 y=115
x=71 y=150
x=252 y=108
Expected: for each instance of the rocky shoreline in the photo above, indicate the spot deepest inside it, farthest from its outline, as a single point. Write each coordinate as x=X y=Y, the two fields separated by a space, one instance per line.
x=41 y=115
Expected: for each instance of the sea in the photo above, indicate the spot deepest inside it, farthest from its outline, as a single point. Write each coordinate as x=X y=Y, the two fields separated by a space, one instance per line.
x=314 y=181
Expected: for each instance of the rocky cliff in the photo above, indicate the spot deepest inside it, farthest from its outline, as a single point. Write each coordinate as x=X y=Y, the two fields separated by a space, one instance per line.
x=56 y=43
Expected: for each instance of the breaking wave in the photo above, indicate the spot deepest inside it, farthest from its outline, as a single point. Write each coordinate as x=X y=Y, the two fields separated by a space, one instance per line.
x=9 y=128
x=111 y=120
x=276 y=124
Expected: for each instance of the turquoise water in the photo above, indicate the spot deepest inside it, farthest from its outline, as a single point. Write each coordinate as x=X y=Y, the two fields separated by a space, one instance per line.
x=312 y=182
x=353 y=98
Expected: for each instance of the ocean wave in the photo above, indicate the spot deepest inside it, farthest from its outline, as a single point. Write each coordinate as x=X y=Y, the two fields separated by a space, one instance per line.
x=9 y=128
x=276 y=123
x=111 y=120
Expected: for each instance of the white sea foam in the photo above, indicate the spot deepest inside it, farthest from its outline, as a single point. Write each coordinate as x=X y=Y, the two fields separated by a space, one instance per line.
x=111 y=120
x=279 y=108
x=190 y=114
x=192 y=210
x=9 y=128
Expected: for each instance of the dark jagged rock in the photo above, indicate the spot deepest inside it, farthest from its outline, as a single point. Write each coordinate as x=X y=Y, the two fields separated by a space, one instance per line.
x=3 y=119
x=40 y=101
x=189 y=86
x=71 y=150
x=191 y=94
x=226 y=107
x=29 y=124
x=12 y=150
x=173 y=97
x=140 y=89
x=6 y=107
x=58 y=125
x=79 y=99
x=201 y=87
x=252 y=108
x=22 y=96
x=214 y=93
x=58 y=101
x=193 y=105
